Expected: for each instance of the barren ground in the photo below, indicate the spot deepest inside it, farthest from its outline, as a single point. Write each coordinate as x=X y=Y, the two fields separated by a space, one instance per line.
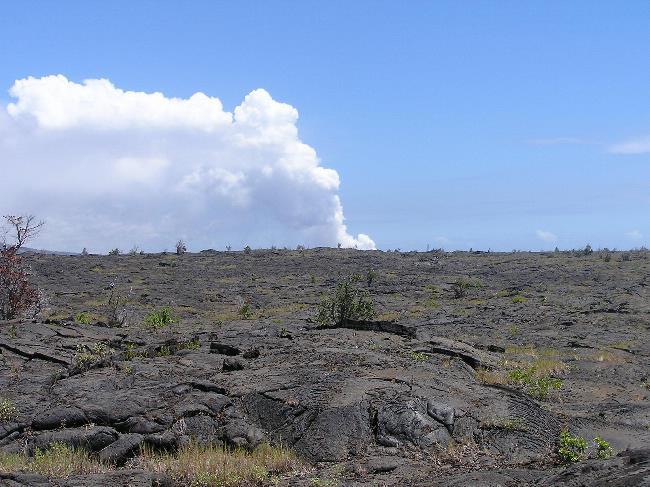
x=425 y=395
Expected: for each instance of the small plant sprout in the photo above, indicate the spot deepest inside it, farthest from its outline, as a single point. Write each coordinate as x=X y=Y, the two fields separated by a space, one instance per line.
x=161 y=318
x=245 y=311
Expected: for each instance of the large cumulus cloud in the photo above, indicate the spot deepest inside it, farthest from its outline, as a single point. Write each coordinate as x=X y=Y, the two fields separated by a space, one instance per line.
x=107 y=167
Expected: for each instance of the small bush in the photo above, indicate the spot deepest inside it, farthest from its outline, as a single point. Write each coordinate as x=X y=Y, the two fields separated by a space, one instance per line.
x=8 y=411
x=247 y=249
x=115 y=251
x=116 y=310
x=161 y=318
x=245 y=311
x=461 y=287
x=89 y=356
x=519 y=299
x=626 y=257
x=571 y=448
x=603 y=448
x=347 y=302
x=587 y=250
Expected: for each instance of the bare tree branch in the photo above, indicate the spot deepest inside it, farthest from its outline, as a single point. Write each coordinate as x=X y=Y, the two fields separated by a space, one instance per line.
x=23 y=228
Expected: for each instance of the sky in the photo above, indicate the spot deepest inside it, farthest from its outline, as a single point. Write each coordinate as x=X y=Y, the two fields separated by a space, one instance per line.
x=486 y=125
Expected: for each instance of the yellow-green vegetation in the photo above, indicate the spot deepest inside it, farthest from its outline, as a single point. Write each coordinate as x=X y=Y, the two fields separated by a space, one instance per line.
x=535 y=370
x=536 y=383
x=571 y=448
x=603 y=448
x=8 y=411
x=163 y=351
x=201 y=466
x=432 y=300
x=87 y=356
x=58 y=315
x=130 y=352
x=245 y=311
x=491 y=377
x=519 y=299
x=83 y=318
x=513 y=330
x=193 y=344
x=161 y=318
x=57 y=461
x=418 y=356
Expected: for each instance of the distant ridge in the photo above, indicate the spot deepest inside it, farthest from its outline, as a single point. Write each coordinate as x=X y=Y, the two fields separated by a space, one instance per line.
x=27 y=250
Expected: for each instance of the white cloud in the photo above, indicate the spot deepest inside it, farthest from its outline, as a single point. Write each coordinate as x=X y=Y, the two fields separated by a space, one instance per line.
x=546 y=236
x=108 y=167
x=639 y=145
x=634 y=234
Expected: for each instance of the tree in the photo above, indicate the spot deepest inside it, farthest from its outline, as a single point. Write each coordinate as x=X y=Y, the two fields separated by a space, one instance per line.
x=23 y=227
x=17 y=295
x=181 y=248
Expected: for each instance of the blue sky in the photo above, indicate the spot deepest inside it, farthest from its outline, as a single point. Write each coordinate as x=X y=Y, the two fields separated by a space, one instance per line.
x=456 y=124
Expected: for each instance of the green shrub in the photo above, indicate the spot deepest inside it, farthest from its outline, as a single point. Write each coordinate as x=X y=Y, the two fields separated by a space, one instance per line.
x=603 y=448
x=461 y=287
x=347 y=302
x=115 y=251
x=519 y=299
x=161 y=318
x=245 y=311
x=572 y=448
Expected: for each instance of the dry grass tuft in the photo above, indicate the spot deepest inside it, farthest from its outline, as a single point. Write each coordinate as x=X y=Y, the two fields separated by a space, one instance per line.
x=200 y=466
x=608 y=357
x=57 y=461
x=491 y=377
